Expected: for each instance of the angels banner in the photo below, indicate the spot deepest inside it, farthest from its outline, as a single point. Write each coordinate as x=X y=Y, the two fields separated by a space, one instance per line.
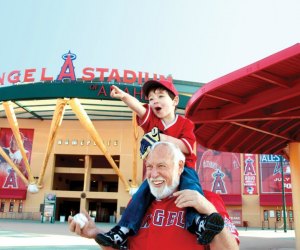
x=9 y=180
x=250 y=174
x=272 y=169
x=219 y=172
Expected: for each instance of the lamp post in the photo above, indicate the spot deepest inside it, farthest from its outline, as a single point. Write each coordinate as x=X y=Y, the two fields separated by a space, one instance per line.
x=283 y=194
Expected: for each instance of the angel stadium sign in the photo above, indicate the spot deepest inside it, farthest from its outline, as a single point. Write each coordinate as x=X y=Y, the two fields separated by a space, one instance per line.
x=88 y=83
x=67 y=73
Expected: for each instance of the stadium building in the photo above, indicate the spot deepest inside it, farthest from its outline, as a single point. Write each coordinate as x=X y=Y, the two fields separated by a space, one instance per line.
x=80 y=148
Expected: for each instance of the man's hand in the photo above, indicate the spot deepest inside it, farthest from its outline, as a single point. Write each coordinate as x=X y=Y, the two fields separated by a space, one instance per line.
x=88 y=231
x=191 y=198
x=148 y=140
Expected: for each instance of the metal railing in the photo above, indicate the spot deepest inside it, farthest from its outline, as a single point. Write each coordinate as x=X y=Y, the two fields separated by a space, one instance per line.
x=264 y=223
x=280 y=224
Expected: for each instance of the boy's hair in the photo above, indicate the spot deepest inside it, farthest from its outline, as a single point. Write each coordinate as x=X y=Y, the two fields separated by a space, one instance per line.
x=153 y=85
x=159 y=87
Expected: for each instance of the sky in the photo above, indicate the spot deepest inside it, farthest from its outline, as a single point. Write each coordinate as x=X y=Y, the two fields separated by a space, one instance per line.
x=193 y=40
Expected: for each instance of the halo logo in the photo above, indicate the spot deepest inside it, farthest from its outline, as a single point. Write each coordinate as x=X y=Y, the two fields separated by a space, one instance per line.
x=67 y=70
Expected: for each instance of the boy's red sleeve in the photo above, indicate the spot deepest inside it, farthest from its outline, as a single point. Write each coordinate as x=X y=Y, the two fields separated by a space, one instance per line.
x=188 y=136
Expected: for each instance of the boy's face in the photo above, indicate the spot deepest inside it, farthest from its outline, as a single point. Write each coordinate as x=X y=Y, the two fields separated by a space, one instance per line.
x=162 y=104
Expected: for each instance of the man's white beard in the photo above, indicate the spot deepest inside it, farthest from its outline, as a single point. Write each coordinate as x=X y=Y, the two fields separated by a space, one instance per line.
x=161 y=193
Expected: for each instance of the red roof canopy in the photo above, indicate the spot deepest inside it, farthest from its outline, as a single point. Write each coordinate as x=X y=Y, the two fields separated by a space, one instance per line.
x=275 y=199
x=255 y=109
x=232 y=199
x=13 y=194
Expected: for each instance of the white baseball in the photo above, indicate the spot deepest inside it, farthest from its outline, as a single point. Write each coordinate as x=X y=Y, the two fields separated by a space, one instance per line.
x=33 y=188
x=132 y=191
x=80 y=219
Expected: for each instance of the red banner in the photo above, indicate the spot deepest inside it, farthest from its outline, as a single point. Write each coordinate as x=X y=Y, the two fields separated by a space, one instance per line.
x=219 y=172
x=9 y=180
x=250 y=176
x=271 y=174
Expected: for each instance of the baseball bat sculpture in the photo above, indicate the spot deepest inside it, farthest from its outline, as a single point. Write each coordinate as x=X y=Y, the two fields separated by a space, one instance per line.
x=56 y=122
x=135 y=141
x=87 y=123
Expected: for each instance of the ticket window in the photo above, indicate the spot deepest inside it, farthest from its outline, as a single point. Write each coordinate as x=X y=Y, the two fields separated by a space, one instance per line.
x=11 y=206
x=291 y=216
x=266 y=215
x=278 y=215
x=2 y=206
x=20 y=208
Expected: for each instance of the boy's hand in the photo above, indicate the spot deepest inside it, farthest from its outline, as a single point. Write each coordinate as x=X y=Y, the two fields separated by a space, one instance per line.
x=116 y=92
x=148 y=140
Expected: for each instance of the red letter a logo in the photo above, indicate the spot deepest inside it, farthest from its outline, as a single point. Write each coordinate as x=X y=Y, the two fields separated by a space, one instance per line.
x=11 y=180
x=67 y=70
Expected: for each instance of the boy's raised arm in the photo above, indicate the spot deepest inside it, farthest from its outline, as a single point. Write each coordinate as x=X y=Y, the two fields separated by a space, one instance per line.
x=133 y=103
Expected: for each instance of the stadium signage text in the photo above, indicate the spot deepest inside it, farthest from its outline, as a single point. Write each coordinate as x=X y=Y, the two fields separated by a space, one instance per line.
x=68 y=72
x=82 y=142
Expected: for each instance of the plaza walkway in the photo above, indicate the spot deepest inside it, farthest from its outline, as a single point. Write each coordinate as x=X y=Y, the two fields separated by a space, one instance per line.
x=23 y=234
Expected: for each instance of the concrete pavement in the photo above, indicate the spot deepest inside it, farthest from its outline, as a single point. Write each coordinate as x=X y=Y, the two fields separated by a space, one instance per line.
x=23 y=234
x=266 y=239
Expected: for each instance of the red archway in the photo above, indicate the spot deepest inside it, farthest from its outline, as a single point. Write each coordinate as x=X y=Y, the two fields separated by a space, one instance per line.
x=255 y=109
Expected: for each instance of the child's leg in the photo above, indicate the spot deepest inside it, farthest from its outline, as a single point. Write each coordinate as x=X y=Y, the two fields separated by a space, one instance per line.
x=189 y=180
x=131 y=219
x=136 y=209
x=205 y=227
